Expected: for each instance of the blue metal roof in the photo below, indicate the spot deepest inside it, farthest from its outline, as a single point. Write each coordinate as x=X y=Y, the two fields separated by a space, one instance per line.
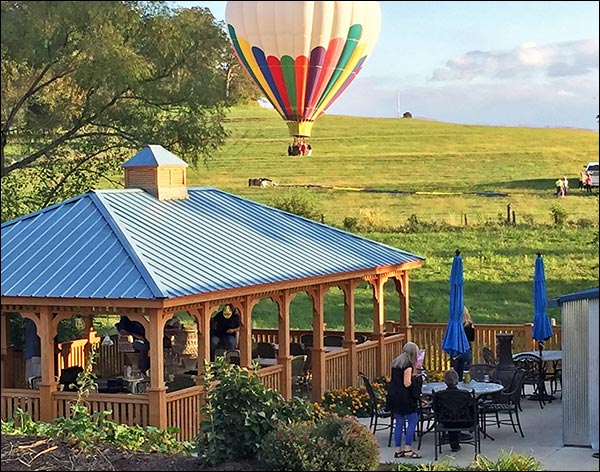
x=127 y=244
x=570 y=297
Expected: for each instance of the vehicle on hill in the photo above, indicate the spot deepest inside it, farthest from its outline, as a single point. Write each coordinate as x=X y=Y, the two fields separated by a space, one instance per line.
x=593 y=168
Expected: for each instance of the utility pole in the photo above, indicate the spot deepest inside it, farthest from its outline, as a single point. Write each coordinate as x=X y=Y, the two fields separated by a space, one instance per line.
x=398 y=103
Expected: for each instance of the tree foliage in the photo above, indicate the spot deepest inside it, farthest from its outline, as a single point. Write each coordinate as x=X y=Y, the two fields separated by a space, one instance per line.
x=85 y=85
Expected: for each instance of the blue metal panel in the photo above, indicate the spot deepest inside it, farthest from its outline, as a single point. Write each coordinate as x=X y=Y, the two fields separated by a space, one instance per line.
x=128 y=244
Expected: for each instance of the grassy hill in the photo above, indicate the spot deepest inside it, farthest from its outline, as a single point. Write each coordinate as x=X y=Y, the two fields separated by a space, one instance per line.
x=429 y=176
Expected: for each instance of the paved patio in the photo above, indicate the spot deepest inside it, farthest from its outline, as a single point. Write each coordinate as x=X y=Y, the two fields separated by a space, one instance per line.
x=543 y=440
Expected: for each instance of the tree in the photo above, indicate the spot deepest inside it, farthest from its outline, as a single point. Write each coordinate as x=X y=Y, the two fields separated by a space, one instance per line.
x=85 y=85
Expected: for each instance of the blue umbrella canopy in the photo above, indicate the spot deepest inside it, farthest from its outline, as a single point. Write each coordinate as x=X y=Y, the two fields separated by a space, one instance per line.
x=455 y=340
x=542 y=329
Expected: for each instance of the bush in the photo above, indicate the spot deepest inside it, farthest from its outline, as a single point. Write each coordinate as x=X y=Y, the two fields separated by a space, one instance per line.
x=239 y=411
x=300 y=202
x=330 y=443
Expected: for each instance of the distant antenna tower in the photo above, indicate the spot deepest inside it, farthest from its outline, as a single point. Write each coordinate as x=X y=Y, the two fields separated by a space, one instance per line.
x=398 y=103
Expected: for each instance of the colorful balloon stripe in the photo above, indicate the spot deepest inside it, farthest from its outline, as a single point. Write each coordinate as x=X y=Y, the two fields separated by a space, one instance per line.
x=302 y=55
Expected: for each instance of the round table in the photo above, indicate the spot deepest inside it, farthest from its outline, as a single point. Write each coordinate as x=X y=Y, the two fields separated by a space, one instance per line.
x=480 y=388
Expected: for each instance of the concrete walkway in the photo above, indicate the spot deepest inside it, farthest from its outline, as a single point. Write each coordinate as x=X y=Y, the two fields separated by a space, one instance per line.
x=543 y=440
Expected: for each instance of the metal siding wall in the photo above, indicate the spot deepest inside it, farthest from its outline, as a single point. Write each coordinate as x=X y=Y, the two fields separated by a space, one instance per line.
x=575 y=368
x=594 y=367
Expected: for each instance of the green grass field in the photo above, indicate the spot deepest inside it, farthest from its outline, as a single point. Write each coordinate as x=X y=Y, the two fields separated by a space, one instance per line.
x=445 y=170
x=448 y=172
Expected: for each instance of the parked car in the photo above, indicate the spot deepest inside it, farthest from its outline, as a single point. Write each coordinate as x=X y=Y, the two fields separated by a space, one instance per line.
x=593 y=168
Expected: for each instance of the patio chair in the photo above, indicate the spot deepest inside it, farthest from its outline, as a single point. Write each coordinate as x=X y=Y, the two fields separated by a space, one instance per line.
x=265 y=349
x=456 y=411
x=233 y=356
x=535 y=375
x=307 y=341
x=296 y=349
x=299 y=378
x=378 y=411
x=479 y=372
x=507 y=402
x=488 y=356
x=333 y=340
x=426 y=417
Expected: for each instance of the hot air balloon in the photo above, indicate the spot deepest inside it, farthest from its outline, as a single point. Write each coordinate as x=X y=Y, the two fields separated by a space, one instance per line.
x=302 y=55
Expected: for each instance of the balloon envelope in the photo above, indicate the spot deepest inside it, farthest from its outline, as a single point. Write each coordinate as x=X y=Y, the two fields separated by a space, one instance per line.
x=302 y=55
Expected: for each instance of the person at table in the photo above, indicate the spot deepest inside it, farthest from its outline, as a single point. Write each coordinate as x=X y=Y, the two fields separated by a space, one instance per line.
x=463 y=361
x=224 y=327
x=451 y=381
x=127 y=327
x=402 y=399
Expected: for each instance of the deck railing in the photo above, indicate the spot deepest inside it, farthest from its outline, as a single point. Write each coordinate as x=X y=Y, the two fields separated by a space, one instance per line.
x=125 y=408
x=184 y=406
x=26 y=399
x=184 y=411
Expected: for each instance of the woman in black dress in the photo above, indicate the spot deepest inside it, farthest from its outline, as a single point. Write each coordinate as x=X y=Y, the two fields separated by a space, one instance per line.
x=404 y=391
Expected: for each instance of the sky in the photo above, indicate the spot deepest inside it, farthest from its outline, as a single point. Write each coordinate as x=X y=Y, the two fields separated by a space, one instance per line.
x=526 y=63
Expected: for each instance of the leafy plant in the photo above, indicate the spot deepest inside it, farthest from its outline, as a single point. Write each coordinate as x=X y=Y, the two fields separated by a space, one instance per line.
x=300 y=202
x=332 y=442
x=239 y=411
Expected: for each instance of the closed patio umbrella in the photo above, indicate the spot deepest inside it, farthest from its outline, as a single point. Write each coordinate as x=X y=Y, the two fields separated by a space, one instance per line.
x=455 y=340
x=542 y=329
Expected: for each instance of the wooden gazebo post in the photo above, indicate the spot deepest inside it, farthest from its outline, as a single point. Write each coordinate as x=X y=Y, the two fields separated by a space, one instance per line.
x=379 y=321
x=48 y=385
x=319 y=384
x=283 y=300
x=349 y=343
x=402 y=287
x=157 y=393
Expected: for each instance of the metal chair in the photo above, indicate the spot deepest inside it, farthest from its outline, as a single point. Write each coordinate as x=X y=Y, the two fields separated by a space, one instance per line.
x=456 y=411
x=488 y=356
x=233 y=356
x=479 y=372
x=535 y=375
x=333 y=340
x=296 y=349
x=378 y=411
x=507 y=402
x=307 y=341
x=264 y=349
x=426 y=417
x=299 y=379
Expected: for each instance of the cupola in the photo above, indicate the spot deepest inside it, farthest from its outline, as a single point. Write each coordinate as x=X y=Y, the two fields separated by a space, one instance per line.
x=157 y=171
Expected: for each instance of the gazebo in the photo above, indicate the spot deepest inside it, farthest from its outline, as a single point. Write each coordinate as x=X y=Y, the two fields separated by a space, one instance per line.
x=157 y=248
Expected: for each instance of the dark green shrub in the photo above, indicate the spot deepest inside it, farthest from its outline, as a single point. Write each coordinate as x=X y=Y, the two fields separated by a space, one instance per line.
x=239 y=411
x=329 y=443
x=300 y=202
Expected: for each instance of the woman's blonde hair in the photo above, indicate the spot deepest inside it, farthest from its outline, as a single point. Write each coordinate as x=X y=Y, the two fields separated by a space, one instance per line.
x=466 y=317
x=408 y=356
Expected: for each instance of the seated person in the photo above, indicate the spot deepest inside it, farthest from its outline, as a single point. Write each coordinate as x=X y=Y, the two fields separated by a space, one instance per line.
x=224 y=327
x=126 y=327
x=451 y=381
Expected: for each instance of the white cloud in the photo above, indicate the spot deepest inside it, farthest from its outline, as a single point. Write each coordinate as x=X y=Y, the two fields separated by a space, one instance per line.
x=527 y=60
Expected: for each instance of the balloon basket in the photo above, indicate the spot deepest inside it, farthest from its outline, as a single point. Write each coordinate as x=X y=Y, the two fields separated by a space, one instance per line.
x=300 y=129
